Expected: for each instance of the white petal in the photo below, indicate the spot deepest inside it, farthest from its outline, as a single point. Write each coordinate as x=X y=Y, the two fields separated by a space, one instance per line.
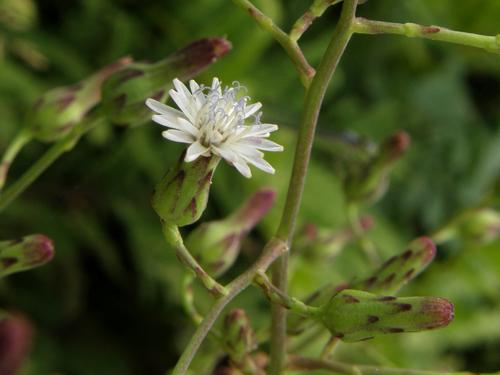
x=261 y=130
x=243 y=168
x=187 y=126
x=261 y=164
x=216 y=85
x=174 y=123
x=194 y=151
x=226 y=153
x=261 y=144
x=193 y=85
x=183 y=103
x=182 y=89
x=178 y=136
x=251 y=109
x=158 y=107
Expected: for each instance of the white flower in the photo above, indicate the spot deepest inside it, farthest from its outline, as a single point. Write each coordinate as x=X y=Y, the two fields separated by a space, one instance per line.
x=217 y=121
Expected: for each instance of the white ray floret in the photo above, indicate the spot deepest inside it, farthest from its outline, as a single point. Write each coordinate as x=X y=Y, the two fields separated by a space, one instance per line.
x=218 y=121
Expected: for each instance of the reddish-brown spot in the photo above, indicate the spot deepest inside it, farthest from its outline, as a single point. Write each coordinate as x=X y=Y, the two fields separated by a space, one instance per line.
x=389 y=279
x=386 y=298
x=373 y=319
x=370 y=281
x=158 y=95
x=388 y=262
x=406 y=255
x=120 y=101
x=7 y=262
x=311 y=231
x=430 y=29
x=64 y=102
x=350 y=299
x=367 y=338
x=394 y=330
x=192 y=207
x=339 y=335
x=128 y=74
x=409 y=274
x=403 y=306
x=205 y=180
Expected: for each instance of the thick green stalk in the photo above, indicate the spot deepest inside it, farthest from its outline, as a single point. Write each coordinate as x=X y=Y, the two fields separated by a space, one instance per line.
x=310 y=364
x=290 y=46
x=312 y=106
x=273 y=250
x=412 y=30
x=51 y=155
x=20 y=140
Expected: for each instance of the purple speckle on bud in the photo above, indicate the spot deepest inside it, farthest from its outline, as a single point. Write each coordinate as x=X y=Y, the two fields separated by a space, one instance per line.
x=428 y=249
x=39 y=250
x=439 y=311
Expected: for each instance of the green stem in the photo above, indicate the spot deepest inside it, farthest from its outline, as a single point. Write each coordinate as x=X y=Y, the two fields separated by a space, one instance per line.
x=310 y=364
x=312 y=106
x=52 y=154
x=188 y=300
x=174 y=238
x=273 y=250
x=290 y=46
x=19 y=141
x=360 y=234
x=330 y=347
x=412 y=30
x=277 y=296
x=315 y=10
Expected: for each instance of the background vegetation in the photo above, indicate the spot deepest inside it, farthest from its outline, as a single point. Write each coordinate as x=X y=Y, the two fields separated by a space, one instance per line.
x=109 y=301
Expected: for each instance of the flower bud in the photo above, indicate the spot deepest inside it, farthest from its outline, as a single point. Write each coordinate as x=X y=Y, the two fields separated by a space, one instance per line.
x=354 y=315
x=216 y=244
x=56 y=113
x=125 y=92
x=400 y=269
x=238 y=335
x=26 y=253
x=182 y=194
x=483 y=226
x=15 y=342
x=368 y=182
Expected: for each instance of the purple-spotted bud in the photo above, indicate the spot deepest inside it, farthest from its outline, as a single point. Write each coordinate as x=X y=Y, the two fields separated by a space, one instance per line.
x=354 y=315
x=15 y=343
x=57 y=112
x=180 y=198
x=400 y=269
x=125 y=92
x=238 y=336
x=367 y=183
x=24 y=254
x=216 y=244
x=320 y=243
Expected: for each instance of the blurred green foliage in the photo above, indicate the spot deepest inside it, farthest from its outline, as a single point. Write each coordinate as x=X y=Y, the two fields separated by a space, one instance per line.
x=109 y=301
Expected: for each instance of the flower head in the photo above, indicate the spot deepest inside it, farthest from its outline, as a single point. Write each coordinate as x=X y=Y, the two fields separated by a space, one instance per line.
x=217 y=121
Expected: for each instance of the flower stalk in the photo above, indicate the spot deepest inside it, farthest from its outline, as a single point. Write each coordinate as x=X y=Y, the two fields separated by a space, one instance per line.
x=312 y=106
x=413 y=30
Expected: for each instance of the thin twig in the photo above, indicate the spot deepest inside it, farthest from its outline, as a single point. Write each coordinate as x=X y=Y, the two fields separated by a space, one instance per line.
x=310 y=364
x=412 y=30
x=291 y=47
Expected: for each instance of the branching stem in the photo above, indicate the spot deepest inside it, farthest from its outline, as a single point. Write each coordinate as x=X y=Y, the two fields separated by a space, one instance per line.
x=412 y=30
x=306 y=71
x=312 y=106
